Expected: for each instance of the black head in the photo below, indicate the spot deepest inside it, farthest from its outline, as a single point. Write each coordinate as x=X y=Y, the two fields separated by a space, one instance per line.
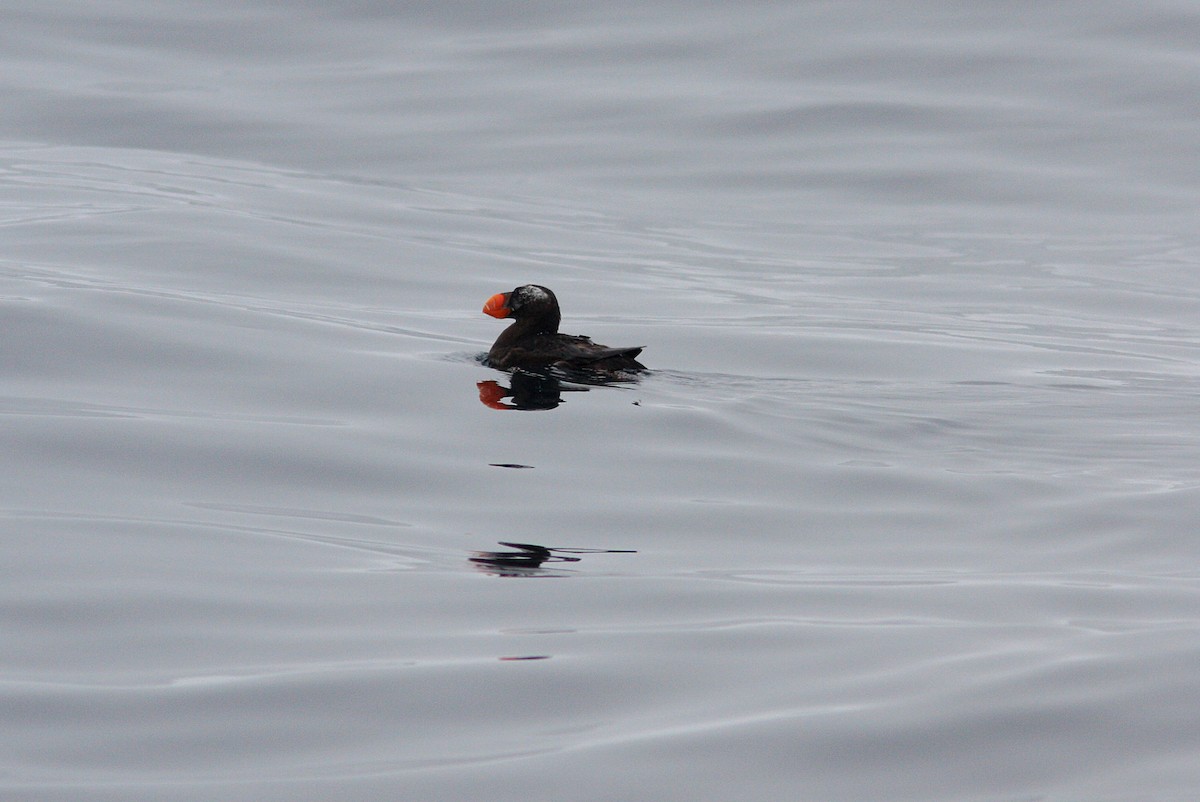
x=530 y=302
x=531 y=299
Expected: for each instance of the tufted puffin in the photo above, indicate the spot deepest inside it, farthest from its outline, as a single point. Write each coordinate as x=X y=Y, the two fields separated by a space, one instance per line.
x=532 y=342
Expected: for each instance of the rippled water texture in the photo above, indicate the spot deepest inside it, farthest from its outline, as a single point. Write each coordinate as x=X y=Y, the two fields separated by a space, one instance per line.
x=904 y=509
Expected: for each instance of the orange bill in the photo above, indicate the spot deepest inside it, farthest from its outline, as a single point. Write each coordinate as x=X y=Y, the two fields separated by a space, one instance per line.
x=496 y=306
x=491 y=394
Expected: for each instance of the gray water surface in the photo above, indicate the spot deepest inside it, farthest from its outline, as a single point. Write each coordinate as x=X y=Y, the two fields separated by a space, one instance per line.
x=905 y=508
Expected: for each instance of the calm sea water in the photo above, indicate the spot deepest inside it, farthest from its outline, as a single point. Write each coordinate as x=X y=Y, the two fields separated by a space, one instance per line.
x=905 y=510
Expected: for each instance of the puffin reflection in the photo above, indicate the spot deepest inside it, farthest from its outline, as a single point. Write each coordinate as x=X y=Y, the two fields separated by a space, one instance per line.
x=528 y=391
x=529 y=558
x=543 y=389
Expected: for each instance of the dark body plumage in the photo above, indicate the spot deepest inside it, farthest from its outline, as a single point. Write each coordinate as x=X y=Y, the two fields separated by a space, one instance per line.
x=533 y=342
